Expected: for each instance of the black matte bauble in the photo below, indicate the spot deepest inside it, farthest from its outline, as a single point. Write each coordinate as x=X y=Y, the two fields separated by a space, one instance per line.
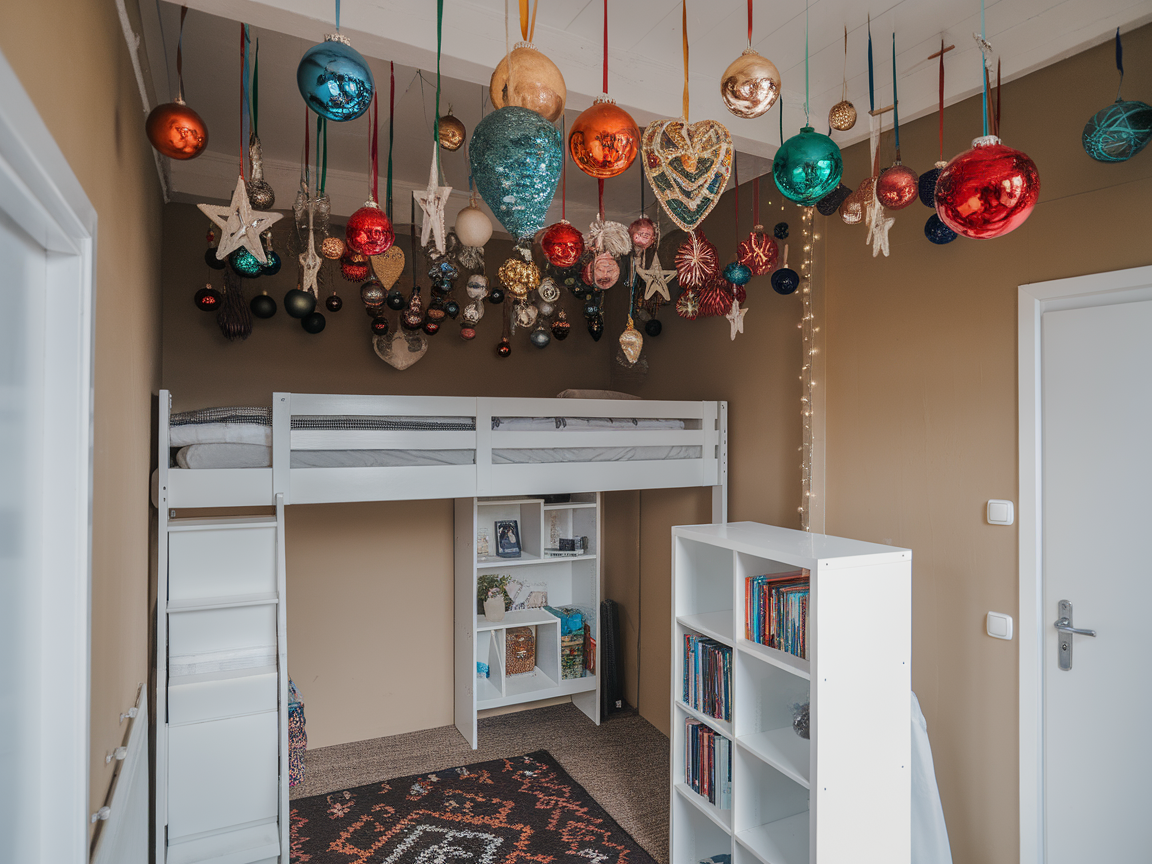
x=596 y=327
x=395 y=299
x=785 y=280
x=333 y=303
x=313 y=323
x=496 y=295
x=653 y=327
x=212 y=261
x=263 y=306
x=299 y=303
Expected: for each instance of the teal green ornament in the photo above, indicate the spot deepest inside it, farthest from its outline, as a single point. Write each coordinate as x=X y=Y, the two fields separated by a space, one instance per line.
x=516 y=157
x=245 y=264
x=335 y=80
x=807 y=167
x=1118 y=132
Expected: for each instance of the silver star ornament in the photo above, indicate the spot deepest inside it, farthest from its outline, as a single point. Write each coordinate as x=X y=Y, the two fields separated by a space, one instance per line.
x=735 y=317
x=656 y=279
x=240 y=225
x=432 y=201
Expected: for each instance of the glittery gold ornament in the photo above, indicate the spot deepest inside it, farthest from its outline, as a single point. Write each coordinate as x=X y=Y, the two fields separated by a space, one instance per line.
x=332 y=248
x=388 y=266
x=631 y=342
x=750 y=85
x=452 y=132
x=518 y=276
x=536 y=83
x=842 y=116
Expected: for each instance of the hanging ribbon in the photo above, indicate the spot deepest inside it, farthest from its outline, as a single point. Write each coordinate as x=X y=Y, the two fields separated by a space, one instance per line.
x=532 y=27
x=755 y=202
x=256 y=92
x=321 y=162
x=606 y=47
x=781 y=101
x=1119 y=60
x=736 y=187
x=180 y=55
x=806 y=87
x=524 y=19
x=895 y=100
x=642 y=208
x=844 y=74
x=391 y=127
x=749 y=23
x=871 y=77
x=337 y=16
x=563 y=171
x=984 y=67
x=684 y=31
x=940 y=110
x=996 y=128
x=439 y=45
x=307 y=154
x=243 y=95
x=375 y=122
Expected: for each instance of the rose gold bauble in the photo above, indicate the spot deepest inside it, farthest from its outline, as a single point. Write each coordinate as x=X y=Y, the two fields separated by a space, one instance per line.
x=897 y=187
x=536 y=83
x=642 y=232
x=332 y=248
x=604 y=140
x=987 y=191
x=842 y=117
x=452 y=132
x=750 y=85
x=176 y=130
x=852 y=210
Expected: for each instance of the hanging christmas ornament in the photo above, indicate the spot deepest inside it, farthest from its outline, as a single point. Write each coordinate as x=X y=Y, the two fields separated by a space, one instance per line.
x=780 y=231
x=548 y=290
x=210 y=254
x=631 y=342
x=516 y=158
x=737 y=273
x=655 y=278
x=688 y=305
x=715 y=298
x=927 y=184
x=561 y=326
x=750 y=85
x=504 y=348
x=473 y=226
x=937 y=232
x=735 y=318
x=496 y=295
x=472 y=313
x=604 y=139
x=273 y=265
x=431 y=327
x=643 y=233
x=313 y=323
x=400 y=350
x=807 y=167
x=333 y=303
x=467 y=332
x=831 y=202
x=452 y=308
x=897 y=187
x=388 y=266
x=687 y=166
x=334 y=78
x=380 y=325
x=696 y=261
x=785 y=280
x=234 y=318
x=394 y=299
x=540 y=337
x=299 y=303
x=432 y=201
x=653 y=327
x=842 y=115
x=451 y=132
x=596 y=326
x=332 y=248
x=207 y=299
x=759 y=252
x=413 y=317
x=354 y=266
x=260 y=193
x=610 y=237
x=518 y=276
x=1123 y=129
x=602 y=271
x=526 y=78
x=369 y=231
x=240 y=226
x=263 y=306
x=477 y=286
x=174 y=129
x=852 y=210
x=562 y=243
x=987 y=191
x=245 y=264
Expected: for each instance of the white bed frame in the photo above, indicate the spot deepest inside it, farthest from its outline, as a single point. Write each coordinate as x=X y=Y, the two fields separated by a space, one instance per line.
x=705 y=425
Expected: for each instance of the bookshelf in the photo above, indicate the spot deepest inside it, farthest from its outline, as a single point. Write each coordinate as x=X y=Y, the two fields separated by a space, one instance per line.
x=844 y=794
x=568 y=580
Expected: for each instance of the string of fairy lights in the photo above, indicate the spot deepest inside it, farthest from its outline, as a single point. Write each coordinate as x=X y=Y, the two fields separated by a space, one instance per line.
x=808 y=330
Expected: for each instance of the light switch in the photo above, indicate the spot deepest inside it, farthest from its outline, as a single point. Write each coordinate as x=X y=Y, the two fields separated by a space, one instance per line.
x=999 y=625
x=1000 y=512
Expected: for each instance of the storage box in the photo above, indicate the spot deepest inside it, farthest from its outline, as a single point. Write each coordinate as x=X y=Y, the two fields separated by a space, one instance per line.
x=521 y=654
x=572 y=655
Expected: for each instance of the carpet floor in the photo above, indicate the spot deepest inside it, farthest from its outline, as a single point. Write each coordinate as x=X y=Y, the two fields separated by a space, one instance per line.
x=622 y=763
x=524 y=808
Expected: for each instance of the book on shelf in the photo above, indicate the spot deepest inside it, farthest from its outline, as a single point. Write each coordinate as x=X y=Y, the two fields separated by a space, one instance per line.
x=707 y=676
x=708 y=764
x=776 y=611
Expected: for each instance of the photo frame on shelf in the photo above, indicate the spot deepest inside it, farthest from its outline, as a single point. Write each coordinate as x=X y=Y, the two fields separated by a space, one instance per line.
x=483 y=544
x=508 y=538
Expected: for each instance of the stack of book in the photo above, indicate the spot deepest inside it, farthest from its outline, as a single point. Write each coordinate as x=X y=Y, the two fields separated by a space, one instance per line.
x=708 y=764
x=776 y=611
x=707 y=676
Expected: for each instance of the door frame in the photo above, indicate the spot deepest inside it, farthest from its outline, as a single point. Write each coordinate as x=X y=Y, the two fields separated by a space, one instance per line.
x=1097 y=289
x=41 y=194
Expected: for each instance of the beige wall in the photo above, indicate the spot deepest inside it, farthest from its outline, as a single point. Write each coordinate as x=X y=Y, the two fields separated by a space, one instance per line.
x=922 y=406
x=72 y=60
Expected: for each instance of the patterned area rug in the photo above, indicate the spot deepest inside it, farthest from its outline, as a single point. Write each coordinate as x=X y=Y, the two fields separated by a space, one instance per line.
x=523 y=810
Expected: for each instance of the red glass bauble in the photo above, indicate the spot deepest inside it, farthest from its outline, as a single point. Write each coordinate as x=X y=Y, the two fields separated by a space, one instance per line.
x=354 y=266
x=562 y=244
x=604 y=140
x=369 y=231
x=176 y=131
x=897 y=187
x=759 y=252
x=642 y=232
x=208 y=299
x=431 y=328
x=987 y=191
x=696 y=261
x=715 y=298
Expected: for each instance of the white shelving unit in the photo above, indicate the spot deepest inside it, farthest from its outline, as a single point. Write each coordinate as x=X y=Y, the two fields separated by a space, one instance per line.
x=844 y=794
x=569 y=581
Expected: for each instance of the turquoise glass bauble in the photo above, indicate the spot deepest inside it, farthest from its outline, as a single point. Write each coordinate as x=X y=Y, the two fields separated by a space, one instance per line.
x=245 y=264
x=807 y=167
x=516 y=157
x=1118 y=132
x=335 y=80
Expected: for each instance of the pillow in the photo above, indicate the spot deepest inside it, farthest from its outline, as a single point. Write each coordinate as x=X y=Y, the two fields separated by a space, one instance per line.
x=594 y=394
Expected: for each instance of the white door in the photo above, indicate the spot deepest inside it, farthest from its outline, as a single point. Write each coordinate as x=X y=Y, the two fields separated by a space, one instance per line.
x=1096 y=482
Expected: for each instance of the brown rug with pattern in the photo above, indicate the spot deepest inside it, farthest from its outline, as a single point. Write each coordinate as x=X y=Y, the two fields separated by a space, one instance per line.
x=523 y=810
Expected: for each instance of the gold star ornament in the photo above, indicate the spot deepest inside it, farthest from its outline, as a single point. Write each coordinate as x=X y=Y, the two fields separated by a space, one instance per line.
x=240 y=225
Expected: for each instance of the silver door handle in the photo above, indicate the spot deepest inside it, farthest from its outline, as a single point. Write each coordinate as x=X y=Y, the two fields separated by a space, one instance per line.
x=1065 y=626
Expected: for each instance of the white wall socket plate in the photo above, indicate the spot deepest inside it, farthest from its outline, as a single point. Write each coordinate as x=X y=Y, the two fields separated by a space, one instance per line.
x=1001 y=512
x=999 y=625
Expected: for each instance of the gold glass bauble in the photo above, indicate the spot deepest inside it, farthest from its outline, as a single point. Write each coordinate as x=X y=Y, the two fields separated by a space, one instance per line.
x=518 y=276
x=842 y=116
x=332 y=248
x=750 y=86
x=452 y=132
x=536 y=83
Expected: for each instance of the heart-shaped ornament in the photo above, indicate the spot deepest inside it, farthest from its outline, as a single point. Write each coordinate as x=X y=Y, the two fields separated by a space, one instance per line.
x=400 y=350
x=687 y=166
x=388 y=266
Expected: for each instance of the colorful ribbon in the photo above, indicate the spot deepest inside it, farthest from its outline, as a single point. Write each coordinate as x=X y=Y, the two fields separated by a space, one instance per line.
x=940 y=110
x=871 y=77
x=895 y=100
x=180 y=54
x=391 y=127
x=684 y=31
x=749 y=23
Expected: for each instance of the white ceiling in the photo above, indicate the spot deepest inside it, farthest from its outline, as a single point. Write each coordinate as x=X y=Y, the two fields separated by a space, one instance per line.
x=645 y=73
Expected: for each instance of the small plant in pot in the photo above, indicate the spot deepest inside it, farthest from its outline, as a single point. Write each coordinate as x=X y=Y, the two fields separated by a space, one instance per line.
x=492 y=596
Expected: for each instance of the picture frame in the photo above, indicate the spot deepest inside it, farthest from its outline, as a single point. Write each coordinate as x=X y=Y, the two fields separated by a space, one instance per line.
x=508 y=538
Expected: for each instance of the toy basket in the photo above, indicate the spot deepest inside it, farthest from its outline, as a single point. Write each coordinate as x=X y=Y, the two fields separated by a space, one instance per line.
x=521 y=653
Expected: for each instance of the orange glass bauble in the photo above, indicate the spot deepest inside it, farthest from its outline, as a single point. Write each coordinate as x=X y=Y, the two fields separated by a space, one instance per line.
x=604 y=140
x=536 y=83
x=897 y=187
x=176 y=130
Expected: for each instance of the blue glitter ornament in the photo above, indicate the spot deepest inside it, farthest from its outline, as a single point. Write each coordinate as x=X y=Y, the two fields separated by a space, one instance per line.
x=335 y=80
x=927 y=187
x=516 y=159
x=936 y=231
x=737 y=273
x=245 y=264
x=274 y=264
x=1118 y=132
x=807 y=167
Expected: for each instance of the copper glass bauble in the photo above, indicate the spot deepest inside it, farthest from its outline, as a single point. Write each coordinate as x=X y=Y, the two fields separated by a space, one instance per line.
x=750 y=85
x=642 y=233
x=987 y=191
x=452 y=132
x=354 y=266
x=852 y=210
x=604 y=140
x=369 y=231
x=536 y=83
x=563 y=244
x=842 y=116
x=207 y=299
x=176 y=131
x=897 y=187
x=759 y=252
